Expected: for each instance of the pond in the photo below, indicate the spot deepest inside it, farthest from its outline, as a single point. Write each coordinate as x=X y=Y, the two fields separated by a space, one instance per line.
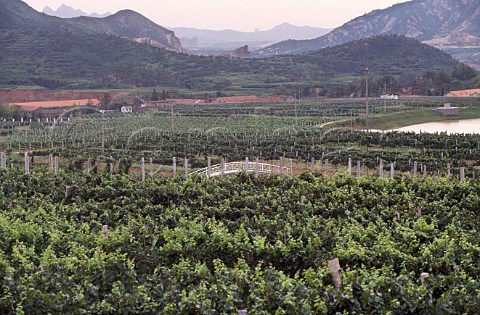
x=450 y=126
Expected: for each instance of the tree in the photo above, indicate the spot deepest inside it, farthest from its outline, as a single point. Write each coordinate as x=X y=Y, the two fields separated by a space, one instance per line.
x=163 y=97
x=11 y=111
x=154 y=97
x=463 y=72
x=106 y=99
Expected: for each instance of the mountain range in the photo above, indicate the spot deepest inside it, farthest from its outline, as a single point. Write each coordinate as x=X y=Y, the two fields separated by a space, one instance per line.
x=65 y=11
x=119 y=51
x=446 y=24
x=200 y=41
x=17 y=15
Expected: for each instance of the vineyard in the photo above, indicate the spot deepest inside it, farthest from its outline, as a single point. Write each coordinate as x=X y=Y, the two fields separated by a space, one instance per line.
x=92 y=237
x=234 y=132
x=109 y=244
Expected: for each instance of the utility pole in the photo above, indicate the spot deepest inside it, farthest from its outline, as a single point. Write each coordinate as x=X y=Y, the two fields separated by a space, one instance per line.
x=103 y=132
x=366 y=104
x=172 y=119
x=296 y=100
x=385 y=97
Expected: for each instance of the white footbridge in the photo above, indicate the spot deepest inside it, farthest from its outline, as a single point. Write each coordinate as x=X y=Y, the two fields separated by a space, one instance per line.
x=225 y=169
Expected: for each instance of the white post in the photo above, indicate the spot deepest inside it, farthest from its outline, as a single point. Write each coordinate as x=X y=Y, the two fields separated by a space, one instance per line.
x=151 y=167
x=56 y=164
x=415 y=167
x=209 y=167
x=50 y=161
x=143 y=169
x=449 y=171
x=312 y=166
x=381 y=168
x=246 y=165
x=462 y=174
x=174 y=166
x=27 y=163
x=186 y=167
x=88 y=166
x=291 y=167
x=3 y=160
x=334 y=266
x=280 y=168
x=222 y=167
x=359 y=168
x=349 y=169
x=392 y=170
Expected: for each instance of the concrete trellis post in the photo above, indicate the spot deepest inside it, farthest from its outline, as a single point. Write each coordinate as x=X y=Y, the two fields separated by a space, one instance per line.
x=256 y=168
x=246 y=165
x=280 y=168
x=415 y=167
x=349 y=167
x=186 y=168
x=381 y=168
x=359 y=169
x=392 y=170
x=312 y=166
x=151 y=167
x=449 y=170
x=462 y=174
x=50 y=161
x=27 y=163
x=174 y=166
x=290 y=167
x=209 y=167
x=334 y=266
x=57 y=160
x=222 y=167
x=105 y=230
x=143 y=169
x=3 y=160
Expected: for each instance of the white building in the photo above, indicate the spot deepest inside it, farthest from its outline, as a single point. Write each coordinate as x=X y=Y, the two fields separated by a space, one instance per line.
x=126 y=109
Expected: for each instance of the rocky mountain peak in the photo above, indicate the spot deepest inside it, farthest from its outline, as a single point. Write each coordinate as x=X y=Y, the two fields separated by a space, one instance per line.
x=442 y=23
x=241 y=52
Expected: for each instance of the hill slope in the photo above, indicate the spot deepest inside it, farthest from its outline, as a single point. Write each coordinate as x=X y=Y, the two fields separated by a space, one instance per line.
x=17 y=15
x=130 y=24
x=444 y=23
x=78 y=61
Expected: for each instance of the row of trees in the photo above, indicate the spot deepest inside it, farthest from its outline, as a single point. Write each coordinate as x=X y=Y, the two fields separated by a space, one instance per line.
x=10 y=111
x=431 y=83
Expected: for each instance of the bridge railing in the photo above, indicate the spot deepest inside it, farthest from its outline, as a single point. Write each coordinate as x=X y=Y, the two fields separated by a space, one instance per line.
x=244 y=166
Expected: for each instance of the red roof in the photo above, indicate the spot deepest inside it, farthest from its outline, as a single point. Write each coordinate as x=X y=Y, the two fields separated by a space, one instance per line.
x=464 y=92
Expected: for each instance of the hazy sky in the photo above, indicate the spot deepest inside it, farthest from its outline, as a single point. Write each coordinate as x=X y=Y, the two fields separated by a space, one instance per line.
x=243 y=15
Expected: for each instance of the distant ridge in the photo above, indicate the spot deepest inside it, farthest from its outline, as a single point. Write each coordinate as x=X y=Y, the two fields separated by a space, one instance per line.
x=194 y=39
x=446 y=24
x=65 y=11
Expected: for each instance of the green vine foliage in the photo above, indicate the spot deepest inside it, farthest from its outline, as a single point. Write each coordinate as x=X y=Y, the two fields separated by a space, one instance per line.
x=198 y=246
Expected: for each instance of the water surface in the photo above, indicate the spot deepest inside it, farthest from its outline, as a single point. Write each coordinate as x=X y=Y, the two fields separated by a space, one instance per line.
x=450 y=126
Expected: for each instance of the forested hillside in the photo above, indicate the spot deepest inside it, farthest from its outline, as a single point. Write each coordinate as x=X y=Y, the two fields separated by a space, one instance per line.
x=81 y=61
